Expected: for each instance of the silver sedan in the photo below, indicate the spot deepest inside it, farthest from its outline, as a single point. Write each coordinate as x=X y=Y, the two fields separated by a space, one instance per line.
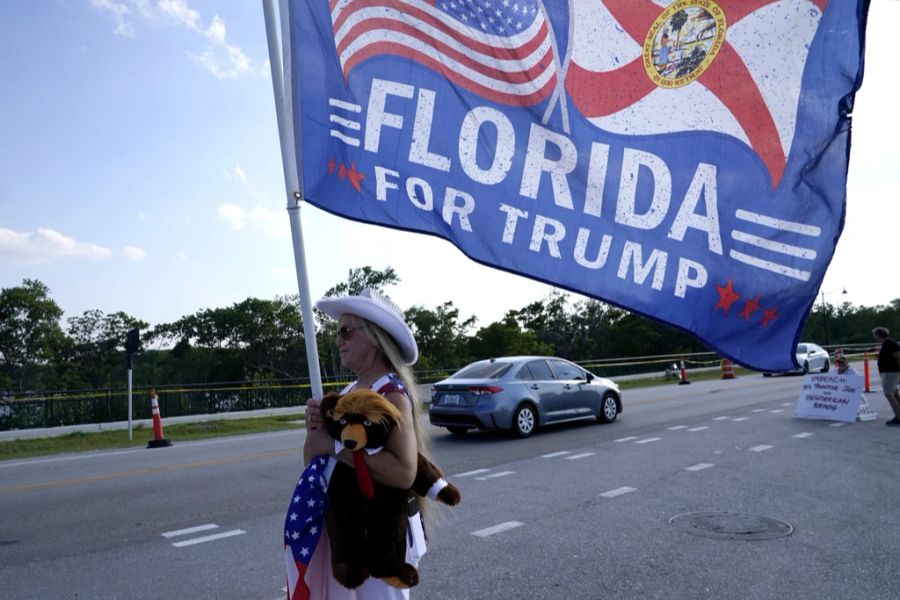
x=520 y=394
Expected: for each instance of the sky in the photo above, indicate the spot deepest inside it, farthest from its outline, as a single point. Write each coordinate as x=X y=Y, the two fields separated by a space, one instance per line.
x=140 y=171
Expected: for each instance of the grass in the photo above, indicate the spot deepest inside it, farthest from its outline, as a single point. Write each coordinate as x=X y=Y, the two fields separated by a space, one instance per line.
x=106 y=440
x=660 y=380
x=113 y=439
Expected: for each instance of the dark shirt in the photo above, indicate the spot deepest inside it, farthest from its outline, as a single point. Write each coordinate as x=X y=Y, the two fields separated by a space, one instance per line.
x=886 y=361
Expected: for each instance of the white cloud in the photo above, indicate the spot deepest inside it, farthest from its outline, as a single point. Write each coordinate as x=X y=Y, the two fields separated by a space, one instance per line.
x=119 y=13
x=221 y=58
x=142 y=215
x=133 y=253
x=239 y=173
x=182 y=257
x=46 y=245
x=224 y=61
x=233 y=214
x=270 y=223
x=179 y=11
x=216 y=30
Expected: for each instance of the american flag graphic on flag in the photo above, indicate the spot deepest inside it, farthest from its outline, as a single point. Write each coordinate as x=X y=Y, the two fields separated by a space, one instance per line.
x=303 y=526
x=683 y=159
x=500 y=49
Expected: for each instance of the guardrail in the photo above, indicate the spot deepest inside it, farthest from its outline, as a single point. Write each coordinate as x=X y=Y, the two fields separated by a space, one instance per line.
x=53 y=409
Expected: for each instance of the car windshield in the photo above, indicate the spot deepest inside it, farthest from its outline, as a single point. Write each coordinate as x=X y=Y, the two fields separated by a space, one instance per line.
x=801 y=349
x=483 y=370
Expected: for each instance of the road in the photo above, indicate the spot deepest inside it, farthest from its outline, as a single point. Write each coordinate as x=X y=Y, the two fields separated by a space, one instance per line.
x=577 y=511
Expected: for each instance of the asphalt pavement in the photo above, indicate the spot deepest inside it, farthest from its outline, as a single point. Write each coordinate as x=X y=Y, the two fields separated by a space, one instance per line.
x=712 y=490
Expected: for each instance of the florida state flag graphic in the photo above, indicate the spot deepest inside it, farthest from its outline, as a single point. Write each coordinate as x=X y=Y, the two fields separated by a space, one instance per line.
x=683 y=159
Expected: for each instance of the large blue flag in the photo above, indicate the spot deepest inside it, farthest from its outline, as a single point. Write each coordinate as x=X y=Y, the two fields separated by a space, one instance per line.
x=683 y=159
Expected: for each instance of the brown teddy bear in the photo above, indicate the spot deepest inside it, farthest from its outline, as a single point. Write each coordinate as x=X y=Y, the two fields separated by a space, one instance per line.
x=367 y=521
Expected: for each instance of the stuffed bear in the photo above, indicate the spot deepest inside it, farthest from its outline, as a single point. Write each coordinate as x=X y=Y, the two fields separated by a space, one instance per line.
x=367 y=521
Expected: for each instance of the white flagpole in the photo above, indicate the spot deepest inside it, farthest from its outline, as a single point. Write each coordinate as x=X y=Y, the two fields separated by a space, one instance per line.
x=294 y=192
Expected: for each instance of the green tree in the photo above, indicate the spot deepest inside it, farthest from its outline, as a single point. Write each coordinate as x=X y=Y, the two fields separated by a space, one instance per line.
x=505 y=338
x=97 y=348
x=252 y=339
x=441 y=336
x=29 y=332
x=360 y=279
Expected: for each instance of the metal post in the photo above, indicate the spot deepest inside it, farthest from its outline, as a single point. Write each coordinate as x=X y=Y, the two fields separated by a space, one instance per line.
x=292 y=183
x=129 y=399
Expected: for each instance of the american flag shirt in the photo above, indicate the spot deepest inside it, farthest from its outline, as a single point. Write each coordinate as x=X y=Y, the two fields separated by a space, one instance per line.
x=303 y=525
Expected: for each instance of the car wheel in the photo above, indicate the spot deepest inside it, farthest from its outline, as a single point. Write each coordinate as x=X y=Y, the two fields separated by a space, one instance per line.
x=805 y=367
x=524 y=421
x=457 y=430
x=609 y=410
x=826 y=366
x=767 y=374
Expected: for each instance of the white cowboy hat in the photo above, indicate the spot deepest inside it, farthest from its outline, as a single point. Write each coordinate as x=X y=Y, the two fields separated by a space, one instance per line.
x=378 y=309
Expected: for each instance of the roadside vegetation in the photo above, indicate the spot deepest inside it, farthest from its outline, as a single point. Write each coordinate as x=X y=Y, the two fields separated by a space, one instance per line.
x=215 y=428
x=118 y=438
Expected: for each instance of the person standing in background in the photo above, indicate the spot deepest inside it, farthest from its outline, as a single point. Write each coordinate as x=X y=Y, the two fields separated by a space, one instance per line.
x=889 y=370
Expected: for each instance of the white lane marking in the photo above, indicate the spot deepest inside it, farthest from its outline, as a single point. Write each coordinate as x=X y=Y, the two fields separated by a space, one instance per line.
x=805 y=434
x=495 y=475
x=721 y=418
x=699 y=467
x=626 y=439
x=787 y=403
x=475 y=472
x=701 y=428
x=677 y=427
x=555 y=454
x=759 y=448
x=209 y=538
x=497 y=528
x=577 y=456
x=758 y=410
x=178 y=532
x=648 y=440
x=618 y=492
x=837 y=424
x=739 y=419
x=777 y=410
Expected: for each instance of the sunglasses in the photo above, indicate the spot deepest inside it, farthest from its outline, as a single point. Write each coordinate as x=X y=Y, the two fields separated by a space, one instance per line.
x=345 y=333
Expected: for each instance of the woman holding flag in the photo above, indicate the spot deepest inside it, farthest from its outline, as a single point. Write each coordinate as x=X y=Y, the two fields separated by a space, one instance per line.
x=377 y=345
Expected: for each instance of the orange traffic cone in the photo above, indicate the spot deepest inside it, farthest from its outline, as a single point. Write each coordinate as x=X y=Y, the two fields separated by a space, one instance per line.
x=727 y=369
x=158 y=440
x=684 y=379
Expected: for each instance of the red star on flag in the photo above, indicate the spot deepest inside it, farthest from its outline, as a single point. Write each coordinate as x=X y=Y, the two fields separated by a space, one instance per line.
x=769 y=314
x=750 y=306
x=727 y=296
x=355 y=177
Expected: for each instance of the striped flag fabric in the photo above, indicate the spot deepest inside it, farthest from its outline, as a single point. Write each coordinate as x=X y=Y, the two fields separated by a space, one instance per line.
x=500 y=49
x=303 y=526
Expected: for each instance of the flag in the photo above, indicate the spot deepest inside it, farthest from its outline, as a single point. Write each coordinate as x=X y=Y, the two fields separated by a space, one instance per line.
x=499 y=50
x=683 y=159
x=303 y=526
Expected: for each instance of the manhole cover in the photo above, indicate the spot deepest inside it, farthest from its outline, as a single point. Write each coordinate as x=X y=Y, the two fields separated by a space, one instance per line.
x=731 y=526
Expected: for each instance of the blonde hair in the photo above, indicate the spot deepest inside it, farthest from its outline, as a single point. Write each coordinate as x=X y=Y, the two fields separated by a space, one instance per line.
x=386 y=345
x=391 y=353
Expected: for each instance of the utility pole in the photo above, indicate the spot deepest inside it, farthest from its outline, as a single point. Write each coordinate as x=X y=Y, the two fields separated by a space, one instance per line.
x=132 y=343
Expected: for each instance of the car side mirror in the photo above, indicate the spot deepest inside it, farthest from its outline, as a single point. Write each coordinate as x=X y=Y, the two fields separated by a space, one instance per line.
x=589 y=377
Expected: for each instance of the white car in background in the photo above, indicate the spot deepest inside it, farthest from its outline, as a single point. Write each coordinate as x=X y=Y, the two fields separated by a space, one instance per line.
x=810 y=357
